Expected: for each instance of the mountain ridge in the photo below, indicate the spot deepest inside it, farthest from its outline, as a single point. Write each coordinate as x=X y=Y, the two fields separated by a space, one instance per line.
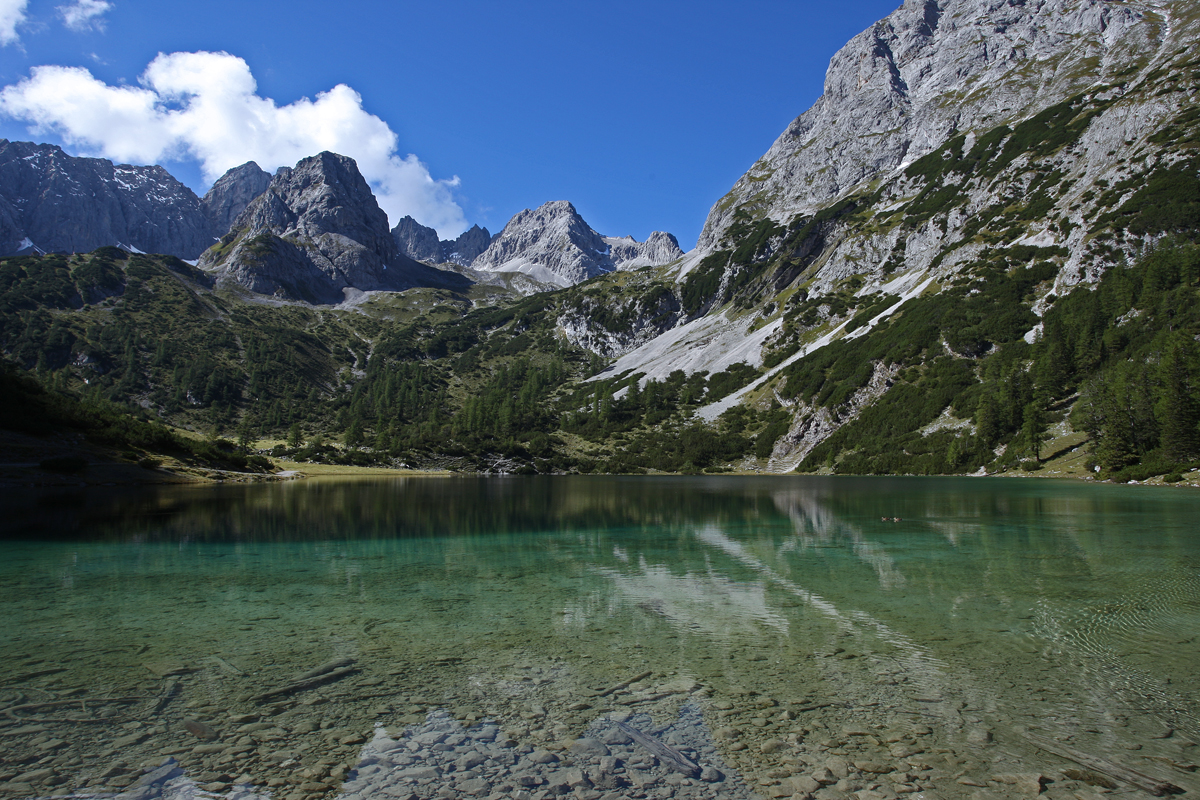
x=315 y=234
x=58 y=202
x=903 y=95
x=1000 y=291
x=228 y=197
x=553 y=244
x=421 y=243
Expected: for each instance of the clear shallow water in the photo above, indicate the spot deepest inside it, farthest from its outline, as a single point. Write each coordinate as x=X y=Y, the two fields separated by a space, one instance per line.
x=788 y=623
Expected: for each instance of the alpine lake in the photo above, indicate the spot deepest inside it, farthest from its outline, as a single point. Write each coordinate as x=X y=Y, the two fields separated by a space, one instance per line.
x=601 y=638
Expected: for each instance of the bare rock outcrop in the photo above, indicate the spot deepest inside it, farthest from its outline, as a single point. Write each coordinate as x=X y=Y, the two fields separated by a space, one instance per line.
x=316 y=232
x=421 y=243
x=54 y=202
x=232 y=192
x=658 y=249
x=554 y=245
x=417 y=241
x=932 y=69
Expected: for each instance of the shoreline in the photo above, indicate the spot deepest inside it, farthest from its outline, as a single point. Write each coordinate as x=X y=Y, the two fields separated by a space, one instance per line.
x=20 y=458
x=28 y=475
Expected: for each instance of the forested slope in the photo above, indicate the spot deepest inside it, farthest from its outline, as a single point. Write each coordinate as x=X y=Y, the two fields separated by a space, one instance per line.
x=1028 y=283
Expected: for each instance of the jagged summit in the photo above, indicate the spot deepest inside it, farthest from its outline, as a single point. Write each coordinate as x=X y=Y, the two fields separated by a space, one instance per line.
x=417 y=241
x=658 y=249
x=553 y=244
x=314 y=229
x=421 y=243
x=232 y=192
x=55 y=202
x=901 y=88
x=467 y=247
x=316 y=232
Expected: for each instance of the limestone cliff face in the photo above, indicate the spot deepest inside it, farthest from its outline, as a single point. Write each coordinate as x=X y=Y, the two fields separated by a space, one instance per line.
x=316 y=232
x=952 y=136
x=551 y=243
x=953 y=126
x=658 y=249
x=54 y=202
x=554 y=245
x=232 y=192
x=417 y=241
x=467 y=247
x=928 y=71
x=421 y=243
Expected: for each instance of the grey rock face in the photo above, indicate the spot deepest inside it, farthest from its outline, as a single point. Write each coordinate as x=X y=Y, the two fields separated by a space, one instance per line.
x=467 y=247
x=658 y=249
x=417 y=241
x=947 y=133
x=60 y=203
x=926 y=72
x=232 y=192
x=314 y=233
x=422 y=244
x=553 y=244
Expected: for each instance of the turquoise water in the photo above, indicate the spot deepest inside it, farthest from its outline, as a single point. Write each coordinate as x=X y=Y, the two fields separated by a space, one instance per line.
x=787 y=609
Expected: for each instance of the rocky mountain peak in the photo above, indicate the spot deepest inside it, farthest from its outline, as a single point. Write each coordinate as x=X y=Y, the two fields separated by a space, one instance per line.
x=553 y=244
x=314 y=233
x=55 y=202
x=467 y=247
x=417 y=241
x=931 y=69
x=232 y=192
x=658 y=249
x=421 y=243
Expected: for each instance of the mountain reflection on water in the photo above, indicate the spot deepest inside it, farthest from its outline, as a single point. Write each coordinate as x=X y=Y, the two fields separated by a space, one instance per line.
x=839 y=618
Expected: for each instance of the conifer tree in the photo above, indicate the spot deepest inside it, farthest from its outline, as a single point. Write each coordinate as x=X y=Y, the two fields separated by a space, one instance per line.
x=354 y=434
x=1178 y=409
x=1033 y=428
x=987 y=421
x=245 y=434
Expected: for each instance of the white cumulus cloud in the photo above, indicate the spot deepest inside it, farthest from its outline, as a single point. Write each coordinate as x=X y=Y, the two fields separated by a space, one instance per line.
x=84 y=14
x=206 y=106
x=12 y=14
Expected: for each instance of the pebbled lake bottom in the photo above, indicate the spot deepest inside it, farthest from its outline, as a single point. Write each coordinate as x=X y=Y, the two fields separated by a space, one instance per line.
x=596 y=637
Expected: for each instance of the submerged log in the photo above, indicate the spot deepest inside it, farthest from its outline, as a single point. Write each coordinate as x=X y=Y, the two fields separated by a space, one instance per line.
x=172 y=689
x=815 y=707
x=308 y=683
x=1146 y=783
x=622 y=685
x=664 y=753
x=325 y=668
x=30 y=675
x=10 y=711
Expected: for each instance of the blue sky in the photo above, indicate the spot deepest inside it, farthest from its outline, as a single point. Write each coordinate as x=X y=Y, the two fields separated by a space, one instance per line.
x=642 y=114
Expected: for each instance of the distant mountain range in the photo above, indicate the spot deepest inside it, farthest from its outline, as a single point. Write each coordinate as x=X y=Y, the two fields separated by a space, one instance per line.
x=421 y=243
x=552 y=244
x=982 y=241
x=320 y=221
